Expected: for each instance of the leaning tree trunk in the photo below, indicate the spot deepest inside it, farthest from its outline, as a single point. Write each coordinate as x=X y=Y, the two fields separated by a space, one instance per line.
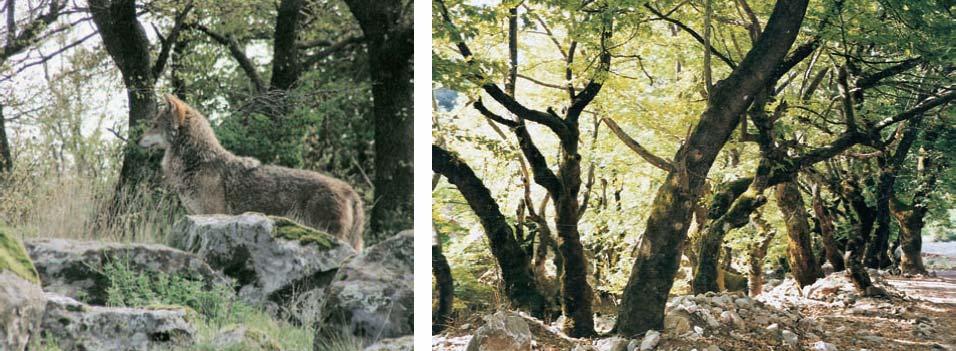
x=658 y=256
x=387 y=26
x=444 y=285
x=515 y=264
x=803 y=263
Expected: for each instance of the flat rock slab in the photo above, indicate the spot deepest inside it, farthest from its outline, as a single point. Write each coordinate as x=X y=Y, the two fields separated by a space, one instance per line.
x=75 y=268
x=78 y=326
x=276 y=262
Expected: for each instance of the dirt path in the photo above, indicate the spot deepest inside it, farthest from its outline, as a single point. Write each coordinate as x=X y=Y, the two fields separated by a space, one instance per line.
x=924 y=320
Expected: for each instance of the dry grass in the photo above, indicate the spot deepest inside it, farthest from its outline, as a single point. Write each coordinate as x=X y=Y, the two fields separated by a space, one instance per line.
x=39 y=206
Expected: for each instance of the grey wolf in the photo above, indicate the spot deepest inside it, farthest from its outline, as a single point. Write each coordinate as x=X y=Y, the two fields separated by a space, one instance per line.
x=211 y=180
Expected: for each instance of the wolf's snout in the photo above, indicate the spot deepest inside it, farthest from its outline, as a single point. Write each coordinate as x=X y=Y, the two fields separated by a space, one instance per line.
x=150 y=140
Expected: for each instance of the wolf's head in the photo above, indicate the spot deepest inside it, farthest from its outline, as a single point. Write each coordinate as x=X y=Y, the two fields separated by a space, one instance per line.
x=167 y=124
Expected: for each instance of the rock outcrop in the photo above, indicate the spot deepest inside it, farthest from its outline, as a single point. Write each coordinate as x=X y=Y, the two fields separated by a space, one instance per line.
x=371 y=296
x=21 y=300
x=276 y=262
x=78 y=326
x=503 y=331
x=75 y=268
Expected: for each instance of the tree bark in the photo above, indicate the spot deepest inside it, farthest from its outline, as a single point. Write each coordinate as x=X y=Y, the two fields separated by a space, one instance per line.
x=803 y=263
x=876 y=252
x=127 y=44
x=827 y=231
x=6 y=160
x=286 y=67
x=862 y=224
x=911 y=240
x=514 y=262
x=445 y=286
x=758 y=252
x=652 y=276
x=387 y=26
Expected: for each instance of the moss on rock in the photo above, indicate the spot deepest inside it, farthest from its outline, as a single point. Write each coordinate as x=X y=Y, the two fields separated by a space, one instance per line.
x=14 y=258
x=291 y=230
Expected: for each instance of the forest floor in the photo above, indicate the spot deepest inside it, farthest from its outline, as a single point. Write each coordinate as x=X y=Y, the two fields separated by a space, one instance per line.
x=919 y=314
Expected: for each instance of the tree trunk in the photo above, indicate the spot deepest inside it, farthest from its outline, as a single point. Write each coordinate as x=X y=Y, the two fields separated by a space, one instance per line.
x=803 y=263
x=737 y=215
x=576 y=292
x=827 y=231
x=862 y=224
x=515 y=264
x=286 y=67
x=658 y=257
x=876 y=251
x=126 y=42
x=911 y=239
x=387 y=26
x=6 y=160
x=758 y=252
x=444 y=285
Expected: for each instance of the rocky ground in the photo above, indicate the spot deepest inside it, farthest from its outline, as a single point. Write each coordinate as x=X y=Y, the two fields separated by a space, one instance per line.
x=918 y=314
x=59 y=294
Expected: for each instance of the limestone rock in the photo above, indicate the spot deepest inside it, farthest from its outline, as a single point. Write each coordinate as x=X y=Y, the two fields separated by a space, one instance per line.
x=242 y=337
x=611 y=344
x=78 y=326
x=275 y=261
x=21 y=309
x=75 y=268
x=372 y=293
x=405 y=343
x=650 y=341
x=503 y=331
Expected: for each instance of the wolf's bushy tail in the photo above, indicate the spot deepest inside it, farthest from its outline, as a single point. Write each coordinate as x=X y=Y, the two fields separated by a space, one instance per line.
x=356 y=233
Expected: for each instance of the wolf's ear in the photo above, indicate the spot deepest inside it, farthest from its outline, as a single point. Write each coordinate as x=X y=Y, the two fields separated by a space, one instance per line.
x=176 y=108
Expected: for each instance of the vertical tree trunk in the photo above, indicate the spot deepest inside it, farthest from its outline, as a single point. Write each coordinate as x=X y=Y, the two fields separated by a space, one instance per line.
x=576 y=292
x=803 y=263
x=862 y=225
x=911 y=240
x=827 y=231
x=758 y=252
x=444 y=284
x=126 y=42
x=6 y=160
x=515 y=264
x=387 y=26
x=876 y=251
x=658 y=256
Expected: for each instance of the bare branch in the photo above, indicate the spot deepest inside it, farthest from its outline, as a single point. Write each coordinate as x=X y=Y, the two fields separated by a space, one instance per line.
x=654 y=160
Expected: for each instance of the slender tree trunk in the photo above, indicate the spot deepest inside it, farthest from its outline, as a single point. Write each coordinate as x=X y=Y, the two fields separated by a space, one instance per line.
x=520 y=284
x=827 y=231
x=758 y=252
x=444 y=284
x=387 y=26
x=862 y=224
x=737 y=215
x=803 y=263
x=6 y=160
x=876 y=251
x=658 y=256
